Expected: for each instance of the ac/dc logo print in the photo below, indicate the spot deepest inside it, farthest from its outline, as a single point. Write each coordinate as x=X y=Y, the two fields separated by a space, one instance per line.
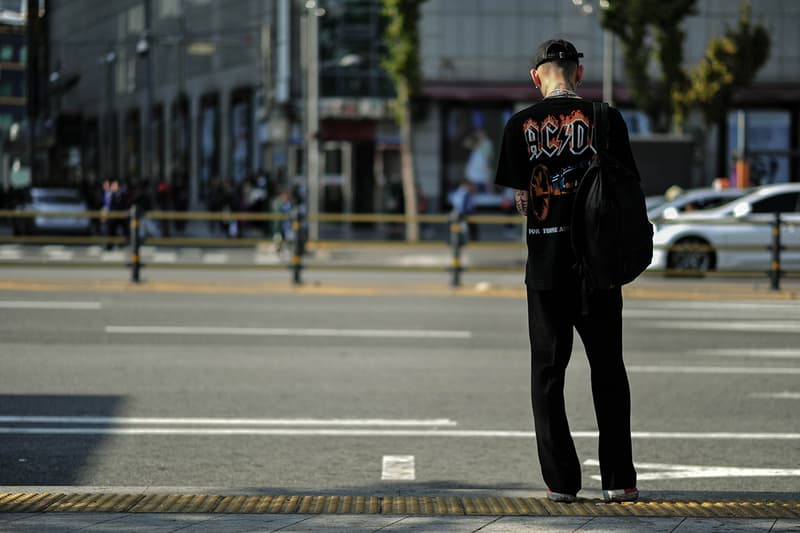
x=540 y=193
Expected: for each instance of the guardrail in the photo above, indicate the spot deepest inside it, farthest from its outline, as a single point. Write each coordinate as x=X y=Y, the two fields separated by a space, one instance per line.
x=686 y=257
x=455 y=236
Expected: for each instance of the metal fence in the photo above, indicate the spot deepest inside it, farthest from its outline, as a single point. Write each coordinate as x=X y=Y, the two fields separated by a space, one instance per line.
x=689 y=256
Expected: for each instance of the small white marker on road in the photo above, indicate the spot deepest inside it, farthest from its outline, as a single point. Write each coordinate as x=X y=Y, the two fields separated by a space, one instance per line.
x=398 y=468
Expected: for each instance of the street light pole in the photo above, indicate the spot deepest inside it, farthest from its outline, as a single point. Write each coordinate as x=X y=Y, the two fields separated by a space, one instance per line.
x=144 y=48
x=110 y=163
x=312 y=116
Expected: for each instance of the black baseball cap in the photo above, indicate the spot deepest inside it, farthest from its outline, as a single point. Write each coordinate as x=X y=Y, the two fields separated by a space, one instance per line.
x=556 y=50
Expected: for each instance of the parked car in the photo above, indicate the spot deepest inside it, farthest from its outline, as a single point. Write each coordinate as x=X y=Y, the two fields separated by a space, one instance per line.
x=694 y=200
x=52 y=200
x=734 y=236
x=654 y=201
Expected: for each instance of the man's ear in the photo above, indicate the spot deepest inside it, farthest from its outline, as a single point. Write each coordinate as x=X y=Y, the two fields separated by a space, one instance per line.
x=537 y=81
x=579 y=74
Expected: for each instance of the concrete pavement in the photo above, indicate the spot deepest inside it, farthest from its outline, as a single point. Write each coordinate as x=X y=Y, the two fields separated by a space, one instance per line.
x=109 y=511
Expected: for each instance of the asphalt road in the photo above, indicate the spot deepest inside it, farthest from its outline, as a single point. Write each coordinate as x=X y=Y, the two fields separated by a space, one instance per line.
x=338 y=392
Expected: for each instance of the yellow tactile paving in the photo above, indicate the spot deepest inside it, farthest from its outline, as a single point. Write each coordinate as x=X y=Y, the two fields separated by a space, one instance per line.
x=388 y=505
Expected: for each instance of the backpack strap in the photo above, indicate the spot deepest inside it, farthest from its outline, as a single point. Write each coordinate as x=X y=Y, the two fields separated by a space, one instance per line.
x=601 y=126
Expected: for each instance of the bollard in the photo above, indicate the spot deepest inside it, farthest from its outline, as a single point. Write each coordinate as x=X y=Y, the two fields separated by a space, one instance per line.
x=136 y=264
x=775 y=264
x=298 y=230
x=456 y=242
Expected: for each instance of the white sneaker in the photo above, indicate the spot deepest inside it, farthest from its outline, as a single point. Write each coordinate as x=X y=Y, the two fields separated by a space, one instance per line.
x=560 y=497
x=621 y=495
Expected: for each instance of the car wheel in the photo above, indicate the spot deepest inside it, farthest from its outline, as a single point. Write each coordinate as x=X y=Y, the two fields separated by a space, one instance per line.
x=691 y=255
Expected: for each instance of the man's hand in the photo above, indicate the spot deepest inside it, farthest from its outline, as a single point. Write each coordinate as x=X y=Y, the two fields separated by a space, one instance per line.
x=521 y=199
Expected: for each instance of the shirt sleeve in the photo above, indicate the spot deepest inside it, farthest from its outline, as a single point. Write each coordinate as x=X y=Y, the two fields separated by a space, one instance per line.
x=512 y=152
x=620 y=145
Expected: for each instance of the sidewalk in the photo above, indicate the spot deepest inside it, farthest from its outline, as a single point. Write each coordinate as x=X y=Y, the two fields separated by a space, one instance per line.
x=108 y=511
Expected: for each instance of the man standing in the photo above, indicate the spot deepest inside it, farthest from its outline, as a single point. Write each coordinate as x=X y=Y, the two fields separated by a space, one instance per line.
x=546 y=149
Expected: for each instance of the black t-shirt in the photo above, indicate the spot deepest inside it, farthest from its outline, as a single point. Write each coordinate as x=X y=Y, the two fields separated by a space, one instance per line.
x=546 y=149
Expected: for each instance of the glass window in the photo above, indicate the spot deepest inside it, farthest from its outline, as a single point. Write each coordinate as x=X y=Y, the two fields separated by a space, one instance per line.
x=767 y=135
x=472 y=139
x=6 y=88
x=169 y=8
x=637 y=121
x=7 y=52
x=350 y=50
x=780 y=203
x=23 y=54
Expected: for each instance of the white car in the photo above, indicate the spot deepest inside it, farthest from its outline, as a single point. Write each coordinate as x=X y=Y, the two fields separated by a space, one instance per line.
x=734 y=236
x=694 y=200
x=47 y=200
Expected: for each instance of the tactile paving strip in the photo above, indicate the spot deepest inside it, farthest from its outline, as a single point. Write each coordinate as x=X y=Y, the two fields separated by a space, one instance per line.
x=387 y=505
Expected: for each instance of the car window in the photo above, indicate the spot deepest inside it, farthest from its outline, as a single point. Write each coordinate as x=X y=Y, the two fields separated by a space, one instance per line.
x=780 y=203
x=706 y=203
x=61 y=199
x=56 y=197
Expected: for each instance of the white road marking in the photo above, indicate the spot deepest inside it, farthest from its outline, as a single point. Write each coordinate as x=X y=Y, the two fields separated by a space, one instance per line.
x=50 y=305
x=214 y=258
x=398 y=468
x=689 y=369
x=164 y=257
x=267 y=259
x=6 y=253
x=60 y=255
x=789 y=353
x=669 y=471
x=775 y=326
x=113 y=256
x=121 y=420
x=290 y=332
x=785 y=395
x=394 y=433
x=715 y=305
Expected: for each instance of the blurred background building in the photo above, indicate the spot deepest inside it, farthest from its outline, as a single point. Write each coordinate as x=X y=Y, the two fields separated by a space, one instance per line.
x=224 y=82
x=13 y=57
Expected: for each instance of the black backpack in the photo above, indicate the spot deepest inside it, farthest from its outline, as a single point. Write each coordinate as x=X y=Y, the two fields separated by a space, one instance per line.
x=611 y=235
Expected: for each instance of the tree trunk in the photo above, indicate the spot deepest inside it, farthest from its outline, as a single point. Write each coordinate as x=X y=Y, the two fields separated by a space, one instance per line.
x=409 y=181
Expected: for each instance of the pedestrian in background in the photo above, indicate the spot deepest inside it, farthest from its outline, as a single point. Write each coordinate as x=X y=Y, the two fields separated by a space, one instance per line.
x=546 y=149
x=463 y=200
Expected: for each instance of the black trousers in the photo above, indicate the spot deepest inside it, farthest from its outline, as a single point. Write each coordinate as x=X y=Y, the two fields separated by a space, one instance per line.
x=552 y=314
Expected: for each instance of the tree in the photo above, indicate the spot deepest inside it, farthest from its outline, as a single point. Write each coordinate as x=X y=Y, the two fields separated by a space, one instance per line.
x=402 y=63
x=730 y=63
x=648 y=30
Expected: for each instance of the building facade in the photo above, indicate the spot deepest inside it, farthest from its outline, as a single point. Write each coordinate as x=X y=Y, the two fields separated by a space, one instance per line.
x=225 y=82
x=476 y=56
x=13 y=57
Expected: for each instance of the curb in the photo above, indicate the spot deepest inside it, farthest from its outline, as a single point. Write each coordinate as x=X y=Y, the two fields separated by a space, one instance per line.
x=728 y=292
